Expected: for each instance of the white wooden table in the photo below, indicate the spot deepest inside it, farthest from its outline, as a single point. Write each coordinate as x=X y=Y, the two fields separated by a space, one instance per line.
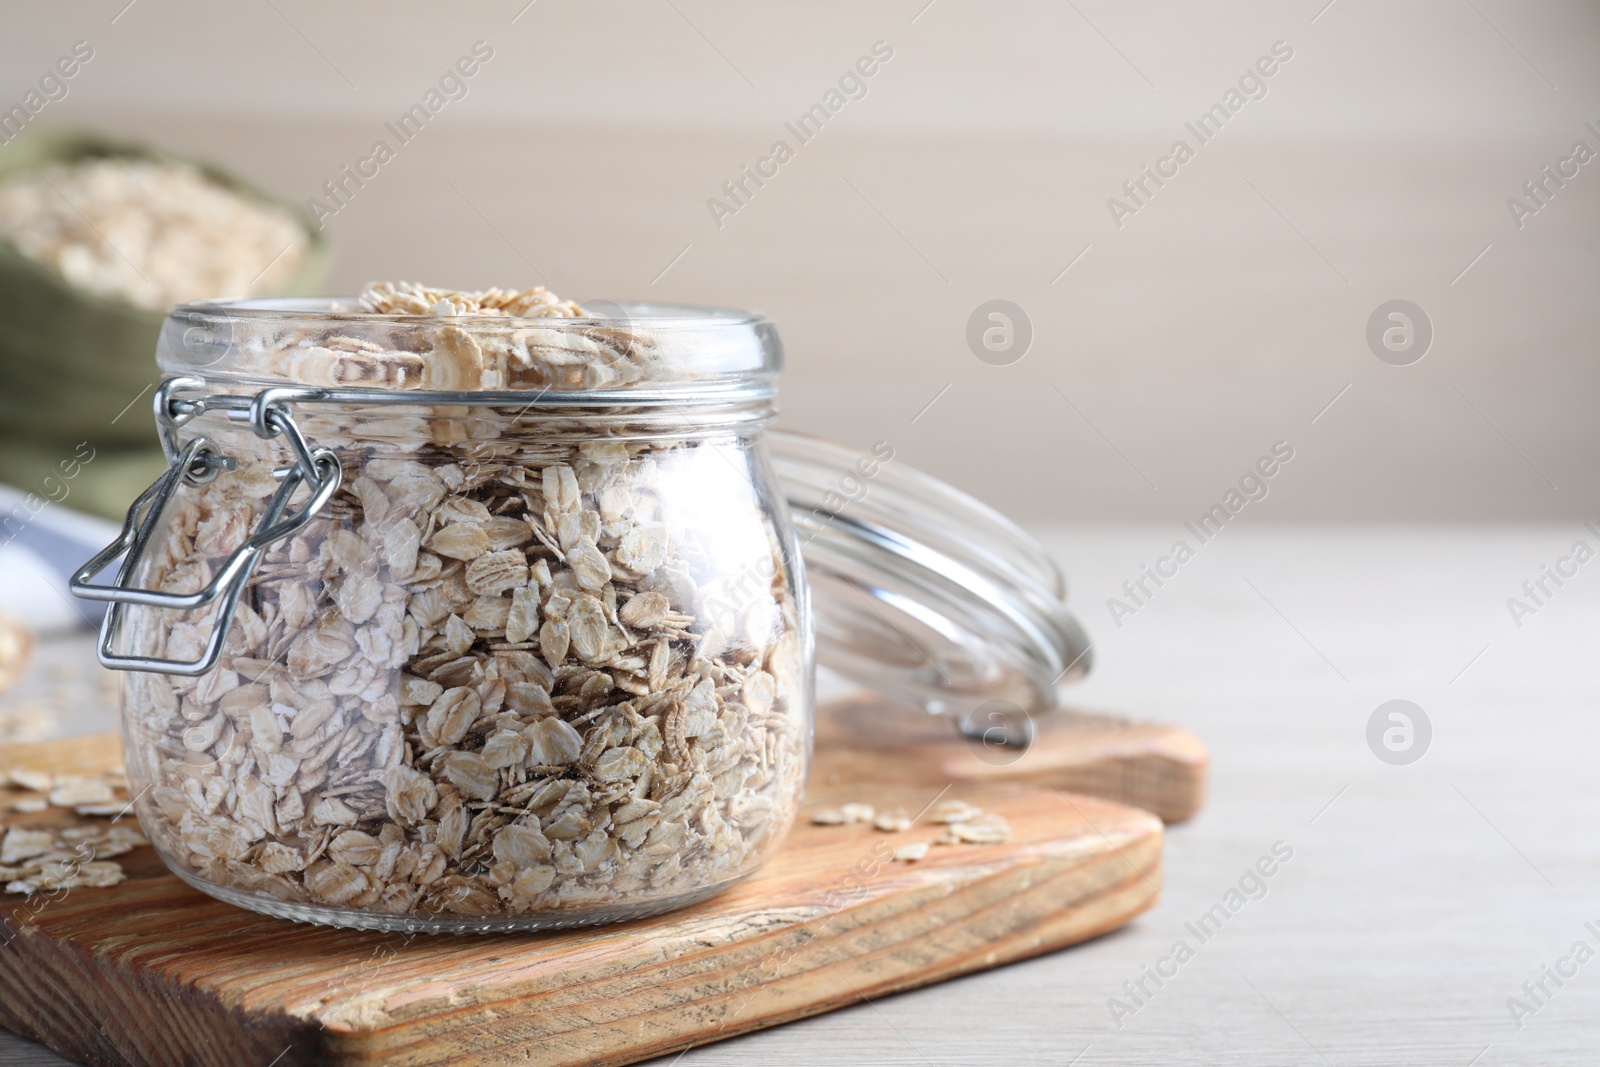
x=1419 y=898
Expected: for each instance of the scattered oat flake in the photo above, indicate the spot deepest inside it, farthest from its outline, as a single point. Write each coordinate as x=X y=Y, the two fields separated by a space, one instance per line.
x=38 y=781
x=29 y=805
x=987 y=829
x=856 y=812
x=66 y=857
x=893 y=822
x=85 y=792
x=953 y=811
x=110 y=808
x=20 y=844
x=69 y=875
x=829 y=817
x=912 y=852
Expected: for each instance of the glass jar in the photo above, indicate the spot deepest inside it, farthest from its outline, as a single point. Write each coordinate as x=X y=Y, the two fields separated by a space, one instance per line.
x=467 y=623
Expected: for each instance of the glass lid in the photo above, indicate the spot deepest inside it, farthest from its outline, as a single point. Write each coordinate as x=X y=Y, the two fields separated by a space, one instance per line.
x=921 y=592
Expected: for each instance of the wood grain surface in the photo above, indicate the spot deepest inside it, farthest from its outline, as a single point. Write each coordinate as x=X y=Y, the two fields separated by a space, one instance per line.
x=1158 y=767
x=153 y=972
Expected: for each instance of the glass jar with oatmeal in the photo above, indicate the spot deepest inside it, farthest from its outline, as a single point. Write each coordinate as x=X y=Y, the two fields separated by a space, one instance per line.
x=485 y=611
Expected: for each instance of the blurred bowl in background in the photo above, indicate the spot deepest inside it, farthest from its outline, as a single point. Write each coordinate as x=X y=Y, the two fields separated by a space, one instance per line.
x=73 y=362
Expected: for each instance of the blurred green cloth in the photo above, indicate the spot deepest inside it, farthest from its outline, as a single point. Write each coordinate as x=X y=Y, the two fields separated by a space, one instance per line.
x=106 y=485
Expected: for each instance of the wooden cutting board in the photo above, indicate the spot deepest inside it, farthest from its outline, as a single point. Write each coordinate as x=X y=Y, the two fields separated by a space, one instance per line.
x=1153 y=766
x=153 y=972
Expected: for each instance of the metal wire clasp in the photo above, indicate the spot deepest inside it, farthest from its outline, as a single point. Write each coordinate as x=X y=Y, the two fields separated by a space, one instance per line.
x=196 y=463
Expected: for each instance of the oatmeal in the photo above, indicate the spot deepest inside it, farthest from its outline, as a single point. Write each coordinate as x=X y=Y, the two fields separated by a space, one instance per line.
x=70 y=857
x=149 y=233
x=76 y=855
x=964 y=824
x=517 y=666
x=505 y=340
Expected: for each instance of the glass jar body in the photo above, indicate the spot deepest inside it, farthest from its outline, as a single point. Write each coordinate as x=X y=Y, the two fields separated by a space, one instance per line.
x=524 y=670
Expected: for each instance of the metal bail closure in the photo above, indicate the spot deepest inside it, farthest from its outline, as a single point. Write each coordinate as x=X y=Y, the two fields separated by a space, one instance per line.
x=197 y=463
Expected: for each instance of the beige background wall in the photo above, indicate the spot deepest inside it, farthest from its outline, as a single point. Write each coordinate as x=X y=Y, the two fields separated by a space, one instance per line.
x=1221 y=318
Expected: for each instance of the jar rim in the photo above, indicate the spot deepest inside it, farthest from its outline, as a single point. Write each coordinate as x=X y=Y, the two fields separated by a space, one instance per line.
x=630 y=350
x=655 y=314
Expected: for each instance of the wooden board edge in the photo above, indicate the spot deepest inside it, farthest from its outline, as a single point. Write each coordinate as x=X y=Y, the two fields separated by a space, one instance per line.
x=1022 y=907
x=1129 y=875
x=37 y=1001
x=1172 y=789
